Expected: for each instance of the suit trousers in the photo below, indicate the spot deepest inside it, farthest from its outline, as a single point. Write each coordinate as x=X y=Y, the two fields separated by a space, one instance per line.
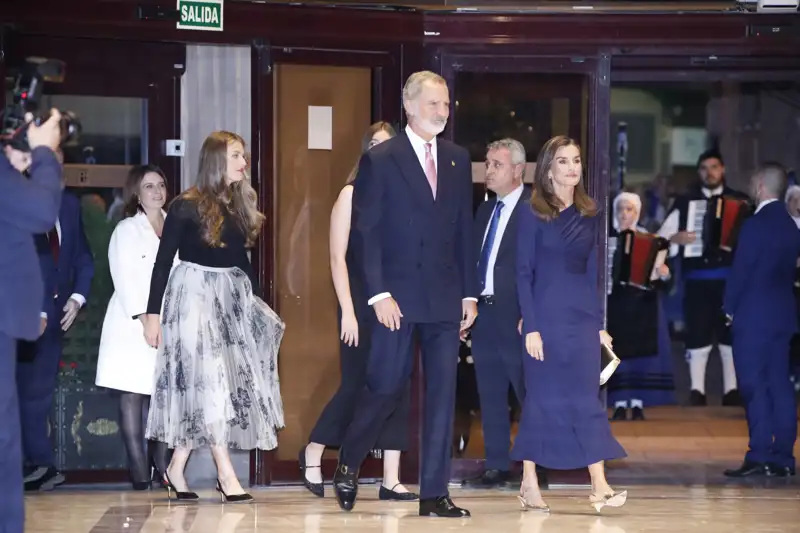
x=391 y=362
x=497 y=351
x=12 y=505
x=762 y=371
x=36 y=382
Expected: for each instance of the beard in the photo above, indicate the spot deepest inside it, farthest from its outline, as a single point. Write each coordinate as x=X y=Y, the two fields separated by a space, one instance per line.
x=432 y=127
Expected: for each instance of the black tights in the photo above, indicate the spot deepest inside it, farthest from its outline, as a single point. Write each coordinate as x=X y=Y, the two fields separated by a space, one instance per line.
x=132 y=409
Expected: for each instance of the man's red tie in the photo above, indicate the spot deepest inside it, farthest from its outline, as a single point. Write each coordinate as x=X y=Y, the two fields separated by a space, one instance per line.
x=55 y=246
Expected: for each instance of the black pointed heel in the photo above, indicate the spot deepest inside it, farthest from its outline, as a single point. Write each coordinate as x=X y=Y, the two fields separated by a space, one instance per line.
x=317 y=489
x=233 y=498
x=183 y=496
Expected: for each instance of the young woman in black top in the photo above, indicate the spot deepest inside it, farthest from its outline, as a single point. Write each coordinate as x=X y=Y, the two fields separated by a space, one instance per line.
x=216 y=372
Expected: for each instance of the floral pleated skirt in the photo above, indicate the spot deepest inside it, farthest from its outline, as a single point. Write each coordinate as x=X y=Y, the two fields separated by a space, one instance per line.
x=216 y=377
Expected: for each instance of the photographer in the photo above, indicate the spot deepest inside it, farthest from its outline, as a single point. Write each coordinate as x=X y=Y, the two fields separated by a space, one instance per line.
x=27 y=206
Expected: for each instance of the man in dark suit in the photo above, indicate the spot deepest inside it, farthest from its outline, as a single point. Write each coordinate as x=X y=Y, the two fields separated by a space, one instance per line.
x=496 y=343
x=412 y=209
x=27 y=206
x=67 y=268
x=759 y=303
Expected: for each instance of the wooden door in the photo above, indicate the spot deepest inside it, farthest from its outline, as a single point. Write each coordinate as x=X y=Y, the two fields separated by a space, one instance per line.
x=308 y=182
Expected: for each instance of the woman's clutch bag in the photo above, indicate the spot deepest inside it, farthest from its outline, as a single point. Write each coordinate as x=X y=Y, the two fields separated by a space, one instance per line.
x=608 y=363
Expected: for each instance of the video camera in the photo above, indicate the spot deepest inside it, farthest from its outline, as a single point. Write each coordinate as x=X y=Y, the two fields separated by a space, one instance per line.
x=27 y=94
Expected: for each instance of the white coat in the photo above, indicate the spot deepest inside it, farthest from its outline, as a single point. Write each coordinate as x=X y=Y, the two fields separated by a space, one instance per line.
x=125 y=362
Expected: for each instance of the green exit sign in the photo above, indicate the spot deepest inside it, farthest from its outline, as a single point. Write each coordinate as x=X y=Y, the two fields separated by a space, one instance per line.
x=203 y=15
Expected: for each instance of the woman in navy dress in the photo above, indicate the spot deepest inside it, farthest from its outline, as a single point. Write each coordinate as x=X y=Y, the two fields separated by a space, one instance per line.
x=564 y=425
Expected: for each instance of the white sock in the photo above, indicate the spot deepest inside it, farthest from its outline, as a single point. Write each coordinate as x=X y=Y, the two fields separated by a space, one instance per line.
x=622 y=404
x=698 y=360
x=637 y=403
x=728 y=368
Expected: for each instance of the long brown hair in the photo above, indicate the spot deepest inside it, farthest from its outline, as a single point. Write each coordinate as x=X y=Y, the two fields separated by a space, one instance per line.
x=130 y=194
x=213 y=194
x=545 y=203
x=365 y=144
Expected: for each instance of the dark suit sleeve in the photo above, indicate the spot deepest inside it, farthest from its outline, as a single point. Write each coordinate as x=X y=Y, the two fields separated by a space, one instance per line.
x=368 y=208
x=31 y=204
x=84 y=260
x=526 y=268
x=465 y=244
x=744 y=258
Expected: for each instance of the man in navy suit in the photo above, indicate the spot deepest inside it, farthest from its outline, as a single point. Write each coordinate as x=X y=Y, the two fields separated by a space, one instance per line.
x=759 y=302
x=412 y=209
x=27 y=206
x=67 y=268
x=496 y=342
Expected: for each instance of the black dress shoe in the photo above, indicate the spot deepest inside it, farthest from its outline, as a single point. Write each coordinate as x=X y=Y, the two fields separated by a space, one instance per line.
x=442 y=507
x=748 y=469
x=637 y=413
x=489 y=479
x=345 y=486
x=391 y=495
x=774 y=470
x=620 y=414
x=732 y=399
x=697 y=399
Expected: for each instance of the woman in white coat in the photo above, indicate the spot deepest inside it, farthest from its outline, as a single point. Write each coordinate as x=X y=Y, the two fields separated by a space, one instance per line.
x=126 y=363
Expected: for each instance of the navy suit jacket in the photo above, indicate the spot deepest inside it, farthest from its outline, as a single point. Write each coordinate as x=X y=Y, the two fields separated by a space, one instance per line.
x=75 y=268
x=27 y=206
x=759 y=292
x=505 y=265
x=407 y=244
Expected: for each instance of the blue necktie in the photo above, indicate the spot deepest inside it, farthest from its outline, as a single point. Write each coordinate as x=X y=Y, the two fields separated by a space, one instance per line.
x=486 y=251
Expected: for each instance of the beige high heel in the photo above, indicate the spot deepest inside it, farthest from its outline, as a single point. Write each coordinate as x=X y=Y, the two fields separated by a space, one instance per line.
x=526 y=504
x=612 y=499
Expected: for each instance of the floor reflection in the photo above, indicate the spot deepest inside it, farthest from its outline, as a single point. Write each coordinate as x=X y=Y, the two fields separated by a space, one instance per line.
x=655 y=509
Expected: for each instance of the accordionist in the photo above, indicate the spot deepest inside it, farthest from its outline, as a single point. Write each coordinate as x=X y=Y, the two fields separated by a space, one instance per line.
x=704 y=271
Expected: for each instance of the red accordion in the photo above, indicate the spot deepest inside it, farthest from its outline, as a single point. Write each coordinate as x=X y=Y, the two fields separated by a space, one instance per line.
x=724 y=220
x=639 y=254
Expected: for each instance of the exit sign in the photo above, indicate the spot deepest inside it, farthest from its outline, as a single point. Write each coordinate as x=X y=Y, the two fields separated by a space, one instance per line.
x=203 y=15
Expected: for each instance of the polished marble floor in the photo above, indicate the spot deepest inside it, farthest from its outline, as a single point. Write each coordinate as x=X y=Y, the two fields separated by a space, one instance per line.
x=741 y=508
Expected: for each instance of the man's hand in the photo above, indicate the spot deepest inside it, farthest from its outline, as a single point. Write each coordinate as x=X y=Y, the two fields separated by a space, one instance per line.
x=683 y=238
x=70 y=313
x=42 y=326
x=469 y=312
x=388 y=313
x=48 y=134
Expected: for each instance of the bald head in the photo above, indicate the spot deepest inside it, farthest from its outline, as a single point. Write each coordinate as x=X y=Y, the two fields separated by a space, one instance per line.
x=769 y=182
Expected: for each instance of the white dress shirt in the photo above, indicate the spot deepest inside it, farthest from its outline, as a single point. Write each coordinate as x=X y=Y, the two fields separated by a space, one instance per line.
x=763 y=203
x=418 y=144
x=671 y=225
x=509 y=202
x=79 y=298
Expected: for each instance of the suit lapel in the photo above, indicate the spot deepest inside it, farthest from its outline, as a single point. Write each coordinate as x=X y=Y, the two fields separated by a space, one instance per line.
x=411 y=169
x=445 y=165
x=510 y=233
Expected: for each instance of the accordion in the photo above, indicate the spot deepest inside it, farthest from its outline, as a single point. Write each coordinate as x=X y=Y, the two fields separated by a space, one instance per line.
x=724 y=219
x=639 y=255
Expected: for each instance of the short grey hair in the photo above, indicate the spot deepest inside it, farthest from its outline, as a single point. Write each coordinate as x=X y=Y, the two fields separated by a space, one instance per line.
x=413 y=86
x=513 y=146
x=774 y=179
